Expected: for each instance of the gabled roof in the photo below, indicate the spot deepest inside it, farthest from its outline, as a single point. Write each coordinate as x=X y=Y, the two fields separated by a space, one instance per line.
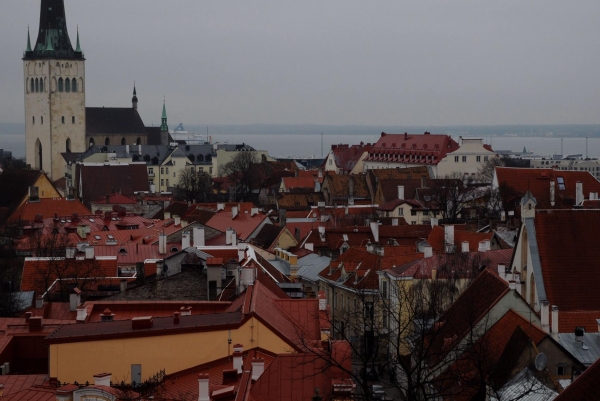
x=16 y=383
x=570 y=258
x=437 y=238
x=346 y=156
x=470 y=307
x=47 y=208
x=389 y=187
x=113 y=121
x=406 y=148
x=537 y=181
x=116 y=199
x=393 y=204
x=16 y=183
x=244 y=223
x=299 y=201
x=338 y=186
x=267 y=235
x=299 y=183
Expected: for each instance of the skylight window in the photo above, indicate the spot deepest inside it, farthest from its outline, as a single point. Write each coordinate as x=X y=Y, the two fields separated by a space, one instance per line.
x=92 y=220
x=97 y=237
x=561 y=183
x=110 y=236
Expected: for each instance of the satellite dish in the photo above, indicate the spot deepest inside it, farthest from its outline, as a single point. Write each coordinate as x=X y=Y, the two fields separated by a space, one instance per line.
x=540 y=361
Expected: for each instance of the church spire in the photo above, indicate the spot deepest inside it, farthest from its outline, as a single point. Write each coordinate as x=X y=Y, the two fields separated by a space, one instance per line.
x=53 y=38
x=78 y=49
x=164 y=127
x=28 y=41
x=134 y=99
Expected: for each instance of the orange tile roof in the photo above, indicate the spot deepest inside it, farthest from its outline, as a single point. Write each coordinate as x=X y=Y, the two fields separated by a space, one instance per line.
x=48 y=208
x=126 y=310
x=294 y=183
x=437 y=238
x=115 y=199
x=244 y=224
x=16 y=383
x=32 y=395
x=404 y=148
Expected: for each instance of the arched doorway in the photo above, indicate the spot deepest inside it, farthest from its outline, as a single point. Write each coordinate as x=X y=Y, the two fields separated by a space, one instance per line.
x=107 y=141
x=92 y=142
x=123 y=141
x=68 y=145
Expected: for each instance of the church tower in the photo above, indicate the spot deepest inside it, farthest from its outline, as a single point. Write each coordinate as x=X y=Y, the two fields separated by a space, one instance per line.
x=54 y=80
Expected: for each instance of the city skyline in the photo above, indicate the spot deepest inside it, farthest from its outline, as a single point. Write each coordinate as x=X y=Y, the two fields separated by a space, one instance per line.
x=338 y=64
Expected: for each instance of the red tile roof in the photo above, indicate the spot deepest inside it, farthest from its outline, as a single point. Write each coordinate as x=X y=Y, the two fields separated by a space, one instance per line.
x=40 y=273
x=570 y=258
x=32 y=395
x=116 y=199
x=470 y=307
x=48 y=208
x=244 y=223
x=299 y=183
x=98 y=181
x=466 y=263
x=404 y=148
x=126 y=310
x=16 y=383
x=585 y=387
x=569 y=320
x=538 y=182
x=296 y=376
x=346 y=156
x=437 y=238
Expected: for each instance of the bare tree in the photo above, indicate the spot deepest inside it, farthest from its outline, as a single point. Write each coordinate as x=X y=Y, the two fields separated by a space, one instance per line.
x=193 y=185
x=10 y=266
x=451 y=195
x=485 y=174
x=239 y=171
x=395 y=331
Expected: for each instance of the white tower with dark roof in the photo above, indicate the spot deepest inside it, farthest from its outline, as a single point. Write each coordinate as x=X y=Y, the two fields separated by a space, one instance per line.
x=54 y=87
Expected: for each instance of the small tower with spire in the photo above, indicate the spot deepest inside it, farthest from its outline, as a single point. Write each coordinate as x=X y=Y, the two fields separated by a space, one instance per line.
x=134 y=99
x=164 y=128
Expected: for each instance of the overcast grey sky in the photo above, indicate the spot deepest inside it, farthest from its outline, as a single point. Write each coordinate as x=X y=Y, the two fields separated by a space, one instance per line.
x=418 y=62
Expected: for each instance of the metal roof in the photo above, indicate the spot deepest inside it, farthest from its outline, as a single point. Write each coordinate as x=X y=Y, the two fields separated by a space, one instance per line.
x=591 y=341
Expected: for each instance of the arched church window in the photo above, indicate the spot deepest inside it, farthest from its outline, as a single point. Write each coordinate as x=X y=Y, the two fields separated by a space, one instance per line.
x=62 y=119
x=68 y=145
x=67 y=85
x=138 y=141
x=32 y=85
x=123 y=142
x=92 y=142
x=42 y=120
x=61 y=84
x=33 y=119
x=37 y=85
x=38 y=159
x=42 y=86
x=107 y=141
x=74 y=85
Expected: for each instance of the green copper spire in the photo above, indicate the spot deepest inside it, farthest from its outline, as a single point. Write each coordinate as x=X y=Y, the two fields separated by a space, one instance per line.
x=78 y=50
x=49 y=47
x=28 y=41
x=164 y=126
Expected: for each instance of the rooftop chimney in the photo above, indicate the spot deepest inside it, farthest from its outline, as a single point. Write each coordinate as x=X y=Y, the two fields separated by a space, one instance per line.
x=554 y=320
x=449 y=235
x=552 y=192
x=395 y=222
x=107 y=316
x=228 y=234
x=220 y=206
x=502 y=270
x=238 y=361
x=102 y=379
x=89 y=252
x=579 y=193
x=233 y=239
x=434 y=221
x=482 y=246
x=545 y=316
x=203 y=387
x=185 y=240
x=375 y=231
x=81 y=314
x=176 y=318
x=247 y=276
x=186 y=310
x=241 y=251
x=199 y=237
x=258 y=368
x=253 y=211
x=428 y=251
x=162 y=244
x=39 y=302
x=142 y=322
x=234 y=212
x=74 y=299
x=177 y=220
x=400 y=191
x=35 y=323
x=465 y=246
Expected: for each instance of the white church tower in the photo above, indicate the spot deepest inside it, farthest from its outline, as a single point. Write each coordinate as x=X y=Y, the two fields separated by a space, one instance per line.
x=54 y=80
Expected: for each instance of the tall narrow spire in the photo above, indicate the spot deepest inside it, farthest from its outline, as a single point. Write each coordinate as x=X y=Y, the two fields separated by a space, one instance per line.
x=28 y=41
x=134 y=99
x=78 y=49
x=164 y=127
